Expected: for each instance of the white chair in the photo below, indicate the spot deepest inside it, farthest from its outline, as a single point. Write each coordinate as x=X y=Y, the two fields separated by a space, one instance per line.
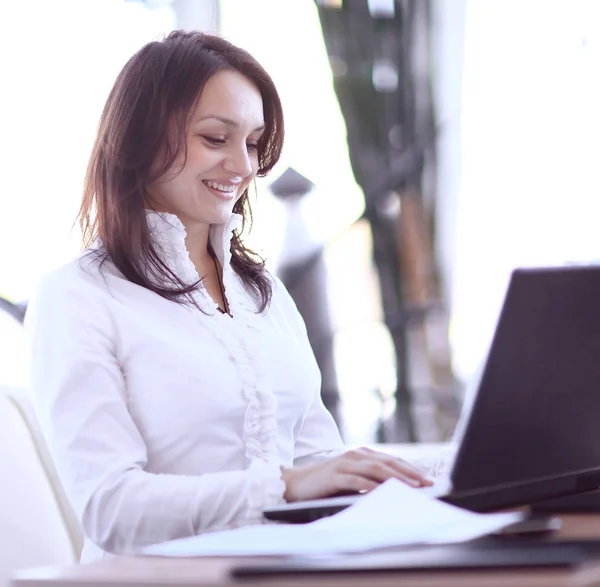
x=37 y=525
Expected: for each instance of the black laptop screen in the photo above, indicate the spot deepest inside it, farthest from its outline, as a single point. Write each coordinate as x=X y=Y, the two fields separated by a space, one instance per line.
x=537 y=410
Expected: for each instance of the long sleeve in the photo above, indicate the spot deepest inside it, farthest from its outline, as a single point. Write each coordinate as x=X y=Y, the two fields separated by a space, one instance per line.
x=81 y=397
x=319 y=437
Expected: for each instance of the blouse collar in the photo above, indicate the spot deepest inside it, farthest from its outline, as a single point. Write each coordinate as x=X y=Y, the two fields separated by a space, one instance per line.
x=169 y=233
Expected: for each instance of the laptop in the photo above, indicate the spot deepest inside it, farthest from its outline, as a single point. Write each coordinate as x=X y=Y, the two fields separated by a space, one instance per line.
x=532 y=428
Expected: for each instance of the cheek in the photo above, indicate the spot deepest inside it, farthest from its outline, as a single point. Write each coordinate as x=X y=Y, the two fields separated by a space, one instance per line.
x=169 y=180
x=201 y=158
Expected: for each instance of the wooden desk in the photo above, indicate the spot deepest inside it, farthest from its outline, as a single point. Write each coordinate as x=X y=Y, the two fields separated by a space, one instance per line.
x=213 y=572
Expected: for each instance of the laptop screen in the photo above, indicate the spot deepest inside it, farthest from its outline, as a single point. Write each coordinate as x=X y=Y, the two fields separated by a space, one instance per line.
x=536 y=413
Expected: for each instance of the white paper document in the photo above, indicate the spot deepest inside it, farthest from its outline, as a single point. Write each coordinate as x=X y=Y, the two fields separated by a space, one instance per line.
x=391 y=515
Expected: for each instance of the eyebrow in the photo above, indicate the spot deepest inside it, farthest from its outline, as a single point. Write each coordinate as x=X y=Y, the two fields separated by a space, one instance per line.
x=228 y=121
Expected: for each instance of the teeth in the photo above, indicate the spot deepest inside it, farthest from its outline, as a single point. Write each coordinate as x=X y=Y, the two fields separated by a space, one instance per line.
x=222 y=188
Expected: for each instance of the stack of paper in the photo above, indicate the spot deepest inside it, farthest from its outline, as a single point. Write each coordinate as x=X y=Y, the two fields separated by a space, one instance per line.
x=391 y=515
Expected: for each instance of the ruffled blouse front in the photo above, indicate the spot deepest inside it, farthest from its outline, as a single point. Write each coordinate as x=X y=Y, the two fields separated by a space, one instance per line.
x=165 y=421
x=239 y=336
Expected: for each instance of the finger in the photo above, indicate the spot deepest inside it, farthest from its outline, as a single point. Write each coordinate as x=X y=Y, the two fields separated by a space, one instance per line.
x=379 y=472
x=404 y=468
x=352 y=482
x=369 y=453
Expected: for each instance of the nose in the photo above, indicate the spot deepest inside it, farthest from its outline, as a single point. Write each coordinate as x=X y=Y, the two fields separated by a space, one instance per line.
x=239 y=161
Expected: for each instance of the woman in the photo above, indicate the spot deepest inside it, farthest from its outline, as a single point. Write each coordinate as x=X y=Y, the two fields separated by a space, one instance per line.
x=172 y=373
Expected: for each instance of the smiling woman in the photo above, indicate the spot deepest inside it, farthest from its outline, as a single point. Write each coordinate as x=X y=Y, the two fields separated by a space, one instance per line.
x=217 y=119
x=172 y=373
x=220 y=161
x=221 y=155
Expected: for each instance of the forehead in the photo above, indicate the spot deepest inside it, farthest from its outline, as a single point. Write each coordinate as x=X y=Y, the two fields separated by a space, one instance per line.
x=229 y=94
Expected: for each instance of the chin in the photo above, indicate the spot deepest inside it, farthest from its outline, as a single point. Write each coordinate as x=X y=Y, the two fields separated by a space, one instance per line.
x=222 y=218
x=216 y=218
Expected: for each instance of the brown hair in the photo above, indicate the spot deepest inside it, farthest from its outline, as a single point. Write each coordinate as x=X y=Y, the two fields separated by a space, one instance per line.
x=154 y=94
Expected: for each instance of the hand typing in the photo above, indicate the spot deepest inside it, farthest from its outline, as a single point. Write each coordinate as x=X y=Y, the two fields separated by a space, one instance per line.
x=357 y=470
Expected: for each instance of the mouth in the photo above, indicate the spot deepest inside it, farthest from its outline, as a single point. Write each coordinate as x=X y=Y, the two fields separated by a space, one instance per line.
x=226 y=191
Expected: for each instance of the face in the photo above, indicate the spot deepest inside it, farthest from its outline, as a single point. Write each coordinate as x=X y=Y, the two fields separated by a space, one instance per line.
x=222 y=158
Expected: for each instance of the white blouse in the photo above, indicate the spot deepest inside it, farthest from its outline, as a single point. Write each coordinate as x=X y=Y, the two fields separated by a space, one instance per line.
x=165 y=422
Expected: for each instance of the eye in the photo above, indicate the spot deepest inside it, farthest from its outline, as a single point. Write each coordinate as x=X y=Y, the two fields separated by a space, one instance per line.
x=216 y=141
x=252 y=146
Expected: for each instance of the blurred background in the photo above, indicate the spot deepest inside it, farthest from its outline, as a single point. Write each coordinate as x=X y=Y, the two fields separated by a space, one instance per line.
x=432 y=146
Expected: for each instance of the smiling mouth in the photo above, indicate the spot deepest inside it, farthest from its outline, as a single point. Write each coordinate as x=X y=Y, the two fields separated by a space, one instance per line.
x=225 y=191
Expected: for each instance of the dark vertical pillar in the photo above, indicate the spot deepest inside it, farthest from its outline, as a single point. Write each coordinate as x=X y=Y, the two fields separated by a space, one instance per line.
x=305 y=276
